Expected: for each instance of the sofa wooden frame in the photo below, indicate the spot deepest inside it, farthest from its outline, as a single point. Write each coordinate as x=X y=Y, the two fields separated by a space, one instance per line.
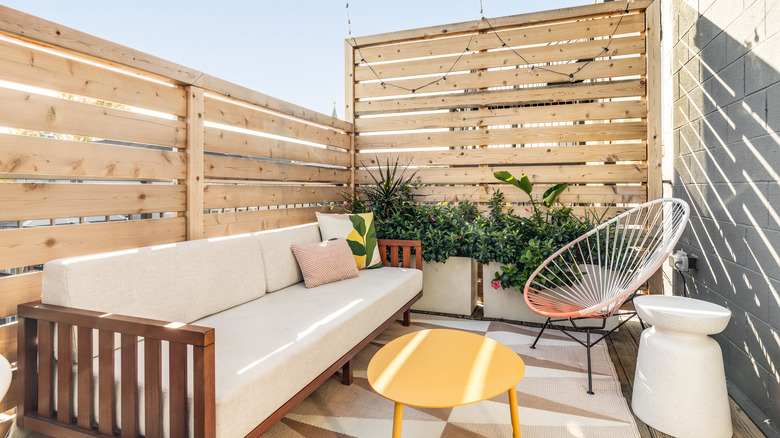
x=39 y=411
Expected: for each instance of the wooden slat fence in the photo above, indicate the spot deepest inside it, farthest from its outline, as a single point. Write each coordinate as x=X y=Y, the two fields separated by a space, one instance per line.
x=106 y=148
x=559 y=95
x=103 y=147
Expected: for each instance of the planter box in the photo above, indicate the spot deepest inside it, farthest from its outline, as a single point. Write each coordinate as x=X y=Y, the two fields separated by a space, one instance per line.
x=449 y=287
x=510 y=303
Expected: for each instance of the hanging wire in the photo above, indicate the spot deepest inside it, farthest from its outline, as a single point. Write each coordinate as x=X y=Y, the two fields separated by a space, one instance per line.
x=604 y=49
x=382 y=82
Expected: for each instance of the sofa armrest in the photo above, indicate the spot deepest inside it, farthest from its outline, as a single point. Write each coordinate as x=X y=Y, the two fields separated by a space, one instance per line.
x=37 y=364
x=405 y=247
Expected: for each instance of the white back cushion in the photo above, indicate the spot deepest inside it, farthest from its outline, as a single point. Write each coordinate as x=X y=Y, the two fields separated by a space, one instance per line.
x=281 y=269
x=179 y=282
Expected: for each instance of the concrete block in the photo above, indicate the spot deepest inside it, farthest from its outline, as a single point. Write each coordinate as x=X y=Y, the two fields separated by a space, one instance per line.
x=704 y=5
x=715 y=128
x=762 y=342
x=774 y=303
x=704 y=169
x=712 y=58
x=762 y=248
x=772 y=20
x=680 y=112
x=747 y=3
x=689 y=137
x=773 y=107
x=742 y=286
x=687 y=17
x=682 y=166
x=731 y=84
x=675 y=83
x=748 y=117
x=703 y=34
x=723 y=239
x=773 y=194
x=737 y=203
x=676 y=21
x=696 y=102
x=722 y=12
x=761 y=65
x=752 y=380
x=745 y=31
x=680 y=54
x=753 y=160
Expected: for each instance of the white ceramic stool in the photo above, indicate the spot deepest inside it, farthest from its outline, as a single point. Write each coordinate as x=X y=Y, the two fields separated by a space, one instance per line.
x=5 y=376
x=680 y=385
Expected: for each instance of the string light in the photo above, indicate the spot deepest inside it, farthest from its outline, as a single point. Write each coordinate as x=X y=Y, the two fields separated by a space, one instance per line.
x=604 y=50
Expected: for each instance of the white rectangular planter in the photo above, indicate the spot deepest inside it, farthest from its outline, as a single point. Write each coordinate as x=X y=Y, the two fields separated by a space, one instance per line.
x=510 y=304
x=449 y=287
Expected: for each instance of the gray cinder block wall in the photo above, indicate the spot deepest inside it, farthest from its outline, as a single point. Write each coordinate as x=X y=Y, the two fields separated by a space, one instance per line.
x=724 y=72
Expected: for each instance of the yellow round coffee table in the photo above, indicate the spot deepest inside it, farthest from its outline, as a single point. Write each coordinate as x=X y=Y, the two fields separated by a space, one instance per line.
x=445 y=368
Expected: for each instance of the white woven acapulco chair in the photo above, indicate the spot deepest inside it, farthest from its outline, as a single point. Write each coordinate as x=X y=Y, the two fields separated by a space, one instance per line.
x=595 y=274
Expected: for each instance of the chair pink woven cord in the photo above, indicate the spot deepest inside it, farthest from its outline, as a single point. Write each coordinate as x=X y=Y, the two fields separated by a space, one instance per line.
x=594 y=275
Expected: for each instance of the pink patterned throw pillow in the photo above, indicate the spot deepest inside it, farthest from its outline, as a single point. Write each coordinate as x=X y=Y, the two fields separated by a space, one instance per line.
x=325 y=262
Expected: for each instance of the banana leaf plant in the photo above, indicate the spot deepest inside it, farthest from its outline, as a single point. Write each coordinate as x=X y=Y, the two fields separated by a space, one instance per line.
x=549 y=197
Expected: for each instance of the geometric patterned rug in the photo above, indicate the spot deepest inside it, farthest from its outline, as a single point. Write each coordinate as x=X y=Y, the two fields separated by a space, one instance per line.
x=551 y=396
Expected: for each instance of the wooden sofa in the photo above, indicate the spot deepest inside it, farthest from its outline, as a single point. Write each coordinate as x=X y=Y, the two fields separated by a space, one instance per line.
x=216 y=337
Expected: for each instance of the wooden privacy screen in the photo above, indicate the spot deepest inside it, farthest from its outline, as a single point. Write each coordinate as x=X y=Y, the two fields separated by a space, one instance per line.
x=500 y=98
x=106 y=148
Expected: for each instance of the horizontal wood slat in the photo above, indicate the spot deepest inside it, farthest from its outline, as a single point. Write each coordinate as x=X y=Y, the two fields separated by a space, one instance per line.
x=239 y=143
x=541 y=17
x=239 y=116
x=511 y=155
x=23 y=201
x=573 y=194
x=549 y=94
x=36 y=157
x=30 y=246
x=65 y=39
x=18 y=289
x=574 y=174
x=29 y=66
x=536 y=134
x=226 y=224
x=23 y=110
x=632 y=45
x=525 y=36
x=626 y=109
x=507 y=78
x=228 y=89
x=246 y=169
x=232 y=196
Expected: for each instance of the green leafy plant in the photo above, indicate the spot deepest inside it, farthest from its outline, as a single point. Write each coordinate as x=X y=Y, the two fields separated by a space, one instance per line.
x=521 y=244
x=549 y=197
x=390 y=190
x=445 y=230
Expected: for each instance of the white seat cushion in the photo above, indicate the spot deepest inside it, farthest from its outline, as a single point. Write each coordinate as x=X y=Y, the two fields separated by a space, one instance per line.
x=269 y=349
x=281 y=269
x=173 y=282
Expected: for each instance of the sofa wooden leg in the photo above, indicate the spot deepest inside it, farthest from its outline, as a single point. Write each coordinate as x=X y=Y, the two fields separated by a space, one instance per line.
x=407 y=318
x=346 y=373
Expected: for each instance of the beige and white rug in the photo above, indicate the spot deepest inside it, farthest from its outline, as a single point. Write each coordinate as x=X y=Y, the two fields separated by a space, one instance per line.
x=551 y=396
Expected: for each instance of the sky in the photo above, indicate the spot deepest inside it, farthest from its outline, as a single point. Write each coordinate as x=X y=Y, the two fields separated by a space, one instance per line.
x=292 y=50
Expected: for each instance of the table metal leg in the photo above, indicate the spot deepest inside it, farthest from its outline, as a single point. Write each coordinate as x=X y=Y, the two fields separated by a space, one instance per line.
x=513 y=412
x=398 y=418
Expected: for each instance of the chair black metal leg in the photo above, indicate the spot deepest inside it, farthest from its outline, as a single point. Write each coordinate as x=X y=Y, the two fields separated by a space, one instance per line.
x=540 y=333
x=642 y=323
x=590 y=376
